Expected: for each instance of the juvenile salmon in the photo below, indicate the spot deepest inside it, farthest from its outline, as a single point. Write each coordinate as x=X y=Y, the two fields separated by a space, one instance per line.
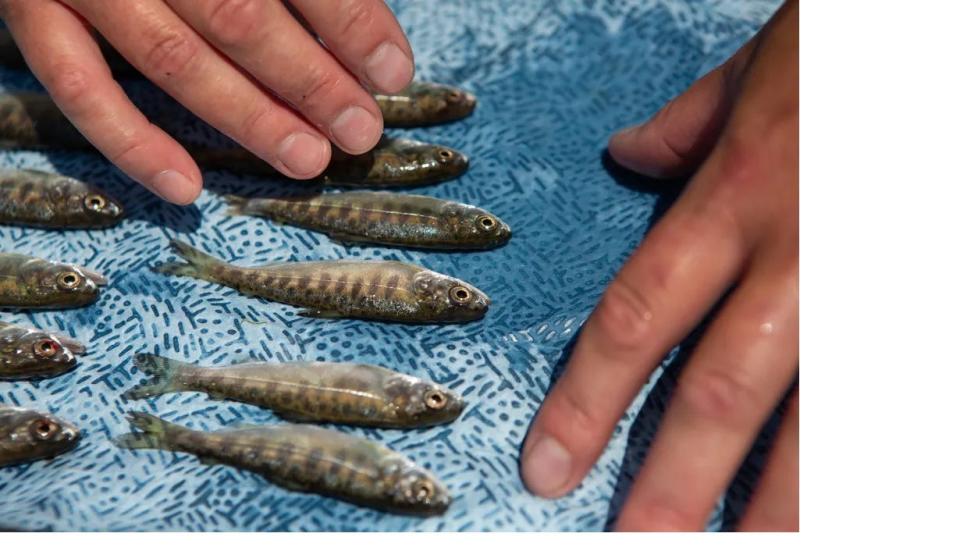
x=45 y=200
x=27 y=435
x=305 y=458
x=30 y=282
x=27 y=353
x=384 y=218
x=384 y=291
x=393 y=163
x=353 y=394
x=424 y=104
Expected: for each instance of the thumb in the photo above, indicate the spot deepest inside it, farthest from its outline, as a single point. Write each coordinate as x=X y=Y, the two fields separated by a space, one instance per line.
x=675 y=141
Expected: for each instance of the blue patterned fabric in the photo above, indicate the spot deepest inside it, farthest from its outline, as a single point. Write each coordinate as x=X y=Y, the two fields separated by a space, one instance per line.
x=554 y=79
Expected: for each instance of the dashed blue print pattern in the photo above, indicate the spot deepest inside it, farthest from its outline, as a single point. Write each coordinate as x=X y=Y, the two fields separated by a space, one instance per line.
x=554 y=79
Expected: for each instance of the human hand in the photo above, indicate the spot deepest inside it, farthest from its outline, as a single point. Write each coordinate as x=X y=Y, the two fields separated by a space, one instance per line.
x=248 y=67
x=736 y=225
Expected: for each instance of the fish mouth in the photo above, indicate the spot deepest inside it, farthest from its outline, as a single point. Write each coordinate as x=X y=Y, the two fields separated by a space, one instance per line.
x=71 y=344
x=95 y=277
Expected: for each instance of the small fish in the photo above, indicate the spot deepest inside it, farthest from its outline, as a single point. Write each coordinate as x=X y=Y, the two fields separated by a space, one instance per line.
x=30 y=282
x=27 y=435
x=45 y=200
x=385 y=218
x=353 y=394
x=27 y=353
x=373 y=290
x=425 y=104
x=304 y=458
x=393 y=163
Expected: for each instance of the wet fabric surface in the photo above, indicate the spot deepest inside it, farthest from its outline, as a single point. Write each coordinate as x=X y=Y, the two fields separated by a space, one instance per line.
x=553 y=79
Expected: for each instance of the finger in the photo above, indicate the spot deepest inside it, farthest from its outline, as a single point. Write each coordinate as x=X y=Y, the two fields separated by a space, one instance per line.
x=664 y=289
x=775 y=506
x=264 y=38
x=65 y=58
x=365 y=37
x=678 y=138
x=162 y=47
x=743 y=365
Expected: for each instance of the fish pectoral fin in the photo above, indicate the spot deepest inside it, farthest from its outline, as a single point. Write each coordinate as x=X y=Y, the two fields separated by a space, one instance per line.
x=329 y=314
x=209 y=461
x=291 y=485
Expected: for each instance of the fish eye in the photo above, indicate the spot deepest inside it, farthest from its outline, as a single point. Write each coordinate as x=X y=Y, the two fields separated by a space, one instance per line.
x=44 y=429
x=486 y=223
x=454 y=95
x=435 y=399
x=46 y=348
x=95 y=202
x=460 y=294
x=424 y=491
x=68 y=280
x=445 y=155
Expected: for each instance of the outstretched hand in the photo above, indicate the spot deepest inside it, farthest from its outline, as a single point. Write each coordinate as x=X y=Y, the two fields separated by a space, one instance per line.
x=248 y=67
x=735 y=226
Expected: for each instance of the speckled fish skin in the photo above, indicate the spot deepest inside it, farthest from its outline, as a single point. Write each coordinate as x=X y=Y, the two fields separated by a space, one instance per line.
x=305 y=458
x=32 y=121
x=384 y=218
x=393 y=163
x=424 y=104
x=371 y=290
x=45 y=200
x=31 y=282
x=347 y=393
x=27 y=353
x=27 y=436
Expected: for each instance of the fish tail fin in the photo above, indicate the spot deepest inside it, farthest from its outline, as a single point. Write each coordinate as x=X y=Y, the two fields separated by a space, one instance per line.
x=236 y=205
x=163 y=371
x=154 y=435
x=198 y=262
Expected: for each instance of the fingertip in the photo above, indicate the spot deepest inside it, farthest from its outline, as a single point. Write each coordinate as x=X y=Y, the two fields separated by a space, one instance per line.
x=389 y=68
x=357 y=130
x=546 y=465
x=173 y=186
x=302 y=155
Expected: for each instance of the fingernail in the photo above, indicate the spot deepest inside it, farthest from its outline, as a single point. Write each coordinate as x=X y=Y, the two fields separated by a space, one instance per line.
x=356 y=130
x=388 y=68
x=546 y=468
x=303 y=154
x=174 y=187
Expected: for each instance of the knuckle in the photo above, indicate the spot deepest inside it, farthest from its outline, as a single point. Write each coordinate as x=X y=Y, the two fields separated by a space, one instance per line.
x=319 y=85
x=723 y=395
x=356 y=16
x=250 y=123
x=577 y=415
x=124 y=152
x=624 y=316
x=69 y=82
x=170 y=54
x=232 y=22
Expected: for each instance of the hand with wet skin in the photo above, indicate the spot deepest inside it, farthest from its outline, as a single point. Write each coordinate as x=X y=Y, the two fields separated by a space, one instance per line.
x=735 y=227
x=248 y=67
